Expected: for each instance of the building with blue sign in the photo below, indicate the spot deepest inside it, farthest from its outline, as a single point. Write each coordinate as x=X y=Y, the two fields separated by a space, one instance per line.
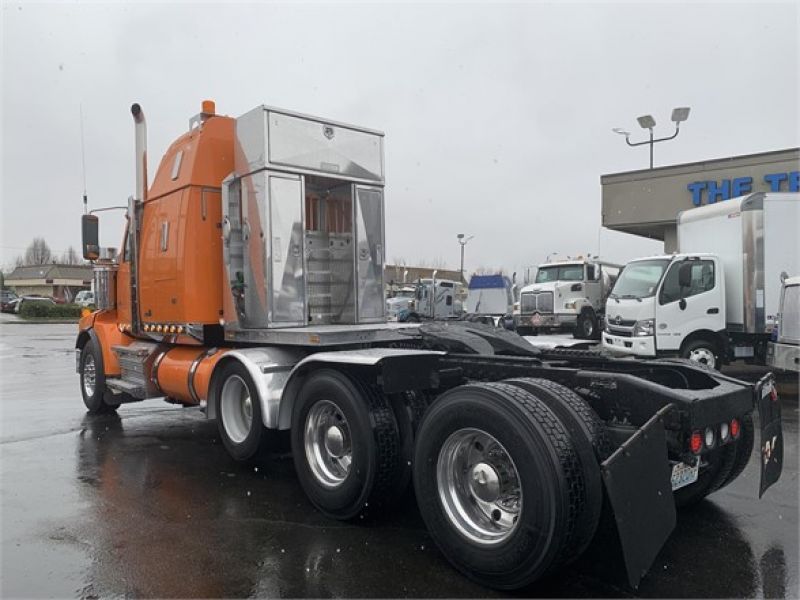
x=647 y=202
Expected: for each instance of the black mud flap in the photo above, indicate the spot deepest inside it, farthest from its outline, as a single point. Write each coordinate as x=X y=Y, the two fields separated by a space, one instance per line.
x=637 y=479
x=769 y=413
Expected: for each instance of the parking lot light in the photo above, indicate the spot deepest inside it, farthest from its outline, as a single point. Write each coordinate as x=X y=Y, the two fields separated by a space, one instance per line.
x=646 y=122
x=679 y=115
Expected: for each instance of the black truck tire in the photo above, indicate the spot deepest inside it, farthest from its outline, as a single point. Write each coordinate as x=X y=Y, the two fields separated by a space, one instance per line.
x=536 y=465
x=93 y=380
x=408 y=408
x=591 y=442
x=346 y=445
x=586 y=326
x=240 y=421
x=560 y=396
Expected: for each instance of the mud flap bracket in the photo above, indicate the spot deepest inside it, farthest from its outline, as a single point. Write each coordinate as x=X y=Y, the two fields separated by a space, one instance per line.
x=637 y=482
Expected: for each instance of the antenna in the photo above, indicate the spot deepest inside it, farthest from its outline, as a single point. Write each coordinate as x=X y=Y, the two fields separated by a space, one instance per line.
x=83 y=165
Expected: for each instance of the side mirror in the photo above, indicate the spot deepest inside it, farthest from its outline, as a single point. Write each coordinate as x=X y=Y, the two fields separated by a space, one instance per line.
x=784 y=276
x=90 y=241
x=685 y=275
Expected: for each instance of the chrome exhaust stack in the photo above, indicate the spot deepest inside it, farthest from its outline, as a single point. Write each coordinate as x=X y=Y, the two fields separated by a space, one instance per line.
x=141 y=152
x=135 y=205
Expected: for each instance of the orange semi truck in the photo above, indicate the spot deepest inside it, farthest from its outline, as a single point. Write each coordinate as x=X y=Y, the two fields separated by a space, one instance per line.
x=250 y=285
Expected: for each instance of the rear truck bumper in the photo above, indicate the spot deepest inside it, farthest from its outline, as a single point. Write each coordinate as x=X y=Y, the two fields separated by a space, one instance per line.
x=637 y=476
x=537 y=320
x=637 y=346
x=651 y=409
x=783 y=357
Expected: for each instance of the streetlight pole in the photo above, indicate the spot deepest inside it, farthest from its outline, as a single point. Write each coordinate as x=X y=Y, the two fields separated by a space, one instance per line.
x=463 y=241
x=648 y=122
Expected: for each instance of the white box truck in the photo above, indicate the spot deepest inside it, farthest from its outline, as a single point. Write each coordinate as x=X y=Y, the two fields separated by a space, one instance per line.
x=717 y=299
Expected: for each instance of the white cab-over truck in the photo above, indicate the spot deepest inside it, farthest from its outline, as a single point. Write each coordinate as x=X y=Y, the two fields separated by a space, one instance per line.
x=566 y=294
x=783 y=353
x=717 y=299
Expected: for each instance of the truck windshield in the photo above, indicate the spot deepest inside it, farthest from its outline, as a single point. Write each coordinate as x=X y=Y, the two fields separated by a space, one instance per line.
x=559 y=273
x=639 y=279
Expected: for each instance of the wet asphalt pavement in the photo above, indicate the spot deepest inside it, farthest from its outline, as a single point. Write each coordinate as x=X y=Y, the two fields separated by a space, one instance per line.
x=147 y=503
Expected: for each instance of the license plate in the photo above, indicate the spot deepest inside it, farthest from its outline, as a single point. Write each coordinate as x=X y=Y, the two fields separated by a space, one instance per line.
x=536 y=320
x=683 y=474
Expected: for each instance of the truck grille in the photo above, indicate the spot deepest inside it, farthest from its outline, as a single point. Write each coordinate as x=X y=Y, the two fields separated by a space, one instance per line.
x=531 y=302
x=619 y=331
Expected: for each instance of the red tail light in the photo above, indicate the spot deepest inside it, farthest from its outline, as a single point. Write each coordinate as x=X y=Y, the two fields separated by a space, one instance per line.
x=696 y=442
x=735 y=428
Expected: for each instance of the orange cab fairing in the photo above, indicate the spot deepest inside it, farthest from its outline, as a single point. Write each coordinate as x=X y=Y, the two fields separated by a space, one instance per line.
x=180 y=247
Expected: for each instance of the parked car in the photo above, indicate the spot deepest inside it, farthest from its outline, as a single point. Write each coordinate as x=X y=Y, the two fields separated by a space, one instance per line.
x=85 y=298
x=6 y=299
x=26 y=299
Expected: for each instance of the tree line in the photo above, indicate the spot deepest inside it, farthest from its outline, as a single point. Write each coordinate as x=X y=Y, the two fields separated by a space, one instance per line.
x=38 y=252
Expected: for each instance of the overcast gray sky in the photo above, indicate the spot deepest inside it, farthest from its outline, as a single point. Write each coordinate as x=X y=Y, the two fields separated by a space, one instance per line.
x=497 y=117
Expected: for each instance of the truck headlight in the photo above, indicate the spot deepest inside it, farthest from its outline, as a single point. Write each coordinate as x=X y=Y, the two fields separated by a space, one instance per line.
x=644 y=328
x=570 y=305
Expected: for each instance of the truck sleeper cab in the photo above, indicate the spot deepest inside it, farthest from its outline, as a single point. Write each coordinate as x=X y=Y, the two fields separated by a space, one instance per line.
x=433 y=299
x=278 y=325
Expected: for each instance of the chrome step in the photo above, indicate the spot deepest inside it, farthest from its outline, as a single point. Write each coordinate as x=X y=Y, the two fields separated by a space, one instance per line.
x=136 y=367
x=126 y=387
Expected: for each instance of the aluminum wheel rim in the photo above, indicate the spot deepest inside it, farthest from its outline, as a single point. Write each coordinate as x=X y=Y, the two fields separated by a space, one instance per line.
x=236 y=408
x=328 y=444
x=89 y=376
x=704 y=356
x=479 y=486
x=588 y=327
